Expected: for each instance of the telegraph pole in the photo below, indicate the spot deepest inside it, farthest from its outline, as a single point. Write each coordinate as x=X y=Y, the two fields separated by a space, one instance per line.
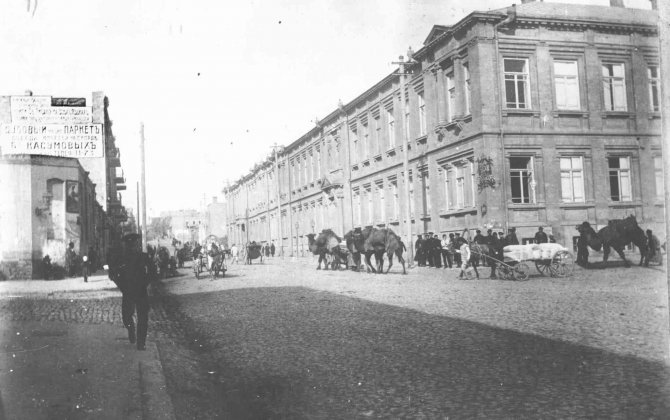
x=402 y=72
x=279 y=222
x=143 y=189
x=664 y=44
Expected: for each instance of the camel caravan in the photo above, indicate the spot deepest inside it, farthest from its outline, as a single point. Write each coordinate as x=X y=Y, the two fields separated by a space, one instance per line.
x=358 y=242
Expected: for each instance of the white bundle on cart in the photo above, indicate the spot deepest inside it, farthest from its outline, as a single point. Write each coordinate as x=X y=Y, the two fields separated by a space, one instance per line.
x=531 y=252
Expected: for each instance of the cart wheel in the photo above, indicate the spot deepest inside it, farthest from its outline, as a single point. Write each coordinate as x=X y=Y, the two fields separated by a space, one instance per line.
x=543 y=267
x=521 y=271
x=562 y=264
x=506 y=272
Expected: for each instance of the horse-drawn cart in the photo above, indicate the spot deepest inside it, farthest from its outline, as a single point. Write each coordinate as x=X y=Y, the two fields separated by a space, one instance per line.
x=549 y=259
x=210 y=259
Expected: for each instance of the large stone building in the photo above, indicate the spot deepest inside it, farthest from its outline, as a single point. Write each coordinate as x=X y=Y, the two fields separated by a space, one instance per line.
x=543 y=114
x=52 y=198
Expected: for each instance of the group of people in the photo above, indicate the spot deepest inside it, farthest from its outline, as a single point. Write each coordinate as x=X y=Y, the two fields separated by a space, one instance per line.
x=454 y=250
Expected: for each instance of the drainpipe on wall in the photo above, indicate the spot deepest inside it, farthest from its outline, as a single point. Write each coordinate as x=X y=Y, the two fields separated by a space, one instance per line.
x=511 y=16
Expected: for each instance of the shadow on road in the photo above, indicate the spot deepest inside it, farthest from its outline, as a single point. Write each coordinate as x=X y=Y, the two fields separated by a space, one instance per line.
x=299 y=353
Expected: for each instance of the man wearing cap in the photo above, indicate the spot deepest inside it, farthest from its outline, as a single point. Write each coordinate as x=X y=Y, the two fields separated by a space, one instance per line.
x=132 y=270
x=540 y=236
x=511 y=238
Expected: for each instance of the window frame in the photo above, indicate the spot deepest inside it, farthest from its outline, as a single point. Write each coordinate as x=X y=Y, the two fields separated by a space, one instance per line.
x=566 y=78
x=654 y=86
x=619 y=171
x=571 y=171
x=531 y=182
x=525 y=78
x=611 y=81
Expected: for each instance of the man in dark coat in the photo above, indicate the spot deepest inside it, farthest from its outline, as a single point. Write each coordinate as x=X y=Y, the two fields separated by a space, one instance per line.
x=540 y=236
x=419 y=249
x=437 y=251
x=511 y=238
x=272 y=249
x=429 y=250
x=495 y=251
x=132 y=271
x=582 y=248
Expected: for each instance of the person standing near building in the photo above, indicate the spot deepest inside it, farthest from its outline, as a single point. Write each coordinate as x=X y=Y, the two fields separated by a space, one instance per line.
x=70 y=260
x=458 y=258
x=437 y=251
x=511 y=238
x=272 y=249
x=444 y=249
x=234 y=253
x=540 y=236
x=653 y=249
x=419 y=247
x=132 y=271
x=582 y=248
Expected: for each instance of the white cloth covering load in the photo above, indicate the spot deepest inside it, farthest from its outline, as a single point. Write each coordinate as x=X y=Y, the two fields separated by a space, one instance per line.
x=532 y=251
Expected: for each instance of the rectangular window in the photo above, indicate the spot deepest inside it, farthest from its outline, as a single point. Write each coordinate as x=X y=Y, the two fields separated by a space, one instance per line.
x=451 y=96
x=473 y=190
x=460 y=187
x=396 y=201
x=521 y=178
x=572 y=179
x=305 y=169
x=355 y=146
x=364 y=142
x=382 y=203
x=448 y=174
x=566 y=82
x=377 y=134
x=658 y=172
x=318 y=163
x=358 y=209
x=517 y=91
x=620 y=184
x=654 y=88
x=407 y=133
x=390 y=121
x=370 y=206
x=614 y=87
x=466 y=87
x=422 y=114
x=412 y=205
x=425 y=180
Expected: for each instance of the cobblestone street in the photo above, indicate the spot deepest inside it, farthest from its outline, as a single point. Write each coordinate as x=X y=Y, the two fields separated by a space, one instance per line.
x=281 y=340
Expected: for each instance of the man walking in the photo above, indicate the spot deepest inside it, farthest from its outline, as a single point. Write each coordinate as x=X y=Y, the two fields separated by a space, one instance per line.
x=444 y=249
x=132 y=271
x=234 y=253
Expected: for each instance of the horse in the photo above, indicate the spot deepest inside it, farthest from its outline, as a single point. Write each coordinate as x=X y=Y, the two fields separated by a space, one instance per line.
x=616 y=234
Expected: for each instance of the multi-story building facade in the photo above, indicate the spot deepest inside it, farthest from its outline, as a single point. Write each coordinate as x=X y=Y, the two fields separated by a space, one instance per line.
x=543 y=114
x=53 y=200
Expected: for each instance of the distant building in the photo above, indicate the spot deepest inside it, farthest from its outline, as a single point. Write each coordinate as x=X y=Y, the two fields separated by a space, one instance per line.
x=543 y=114
x=59 y=180
x=216 y=218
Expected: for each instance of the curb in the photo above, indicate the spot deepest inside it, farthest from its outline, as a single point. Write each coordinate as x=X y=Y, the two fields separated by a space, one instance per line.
x=156 y=403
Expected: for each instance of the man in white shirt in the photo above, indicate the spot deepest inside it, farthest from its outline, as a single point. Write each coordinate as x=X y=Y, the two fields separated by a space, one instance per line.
x=466 y=256
x=234 y=253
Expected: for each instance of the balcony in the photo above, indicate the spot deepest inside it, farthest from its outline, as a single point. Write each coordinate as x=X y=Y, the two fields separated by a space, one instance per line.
x=119 y=178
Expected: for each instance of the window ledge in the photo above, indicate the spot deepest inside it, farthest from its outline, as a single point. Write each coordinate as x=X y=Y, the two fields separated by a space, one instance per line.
x=366 y=162
x=617 y=114
x=422 y=140
x=393 y=221
x=570 y=113
x=525 y=206
x=577 y=205
x=514 y=111
x=391 y=152
x=655 y=115
x=624 y=204
x=377 y=157
x=354 y=167
x=425 y=217
x=457 y=212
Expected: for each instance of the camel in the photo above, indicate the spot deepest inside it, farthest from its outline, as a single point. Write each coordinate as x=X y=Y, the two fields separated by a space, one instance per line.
x=616 y=234
x=326 y=243
x=371 y=241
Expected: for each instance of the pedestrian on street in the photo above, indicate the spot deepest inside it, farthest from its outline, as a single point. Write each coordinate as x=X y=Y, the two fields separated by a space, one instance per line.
x=444 y=249
x=495 y=250
x=85 y=267
x=653 y=249
x=466 y=258
x=132 y=271
x=272 y=249
x=458 y=259
x=540 y=236
x=582 y=249
x=234 y=253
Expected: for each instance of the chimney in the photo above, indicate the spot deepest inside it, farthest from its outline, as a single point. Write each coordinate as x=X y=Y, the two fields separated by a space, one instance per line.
x=526 y=1
x=616 y=3
x=215 y=199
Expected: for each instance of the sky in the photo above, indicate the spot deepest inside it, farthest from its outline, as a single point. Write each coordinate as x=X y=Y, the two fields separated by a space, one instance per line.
x=216 y=83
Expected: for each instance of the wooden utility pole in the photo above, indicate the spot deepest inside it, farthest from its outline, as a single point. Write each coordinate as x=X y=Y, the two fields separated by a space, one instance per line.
x=405 y=161
x=143 y=190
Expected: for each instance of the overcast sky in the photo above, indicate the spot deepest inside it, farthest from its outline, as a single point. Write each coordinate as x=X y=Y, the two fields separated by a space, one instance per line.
x=216 y=83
